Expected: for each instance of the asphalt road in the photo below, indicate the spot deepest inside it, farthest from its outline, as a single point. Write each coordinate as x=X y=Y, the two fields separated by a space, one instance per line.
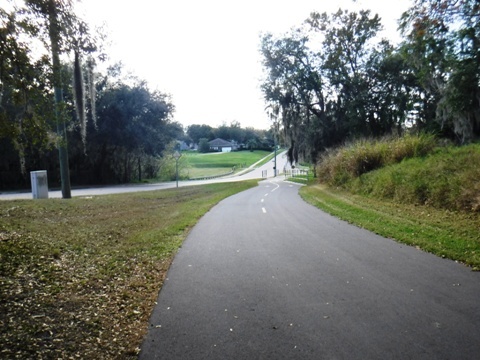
x=253 y=172
x=264 y=275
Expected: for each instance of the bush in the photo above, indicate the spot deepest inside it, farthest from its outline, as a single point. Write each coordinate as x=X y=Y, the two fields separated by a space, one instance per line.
x=203 y=146
x=447 y=178
x=410 y=146
x=341 y=165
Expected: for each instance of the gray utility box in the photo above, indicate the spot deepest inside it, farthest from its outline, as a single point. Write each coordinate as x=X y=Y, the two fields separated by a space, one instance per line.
x=39 y=184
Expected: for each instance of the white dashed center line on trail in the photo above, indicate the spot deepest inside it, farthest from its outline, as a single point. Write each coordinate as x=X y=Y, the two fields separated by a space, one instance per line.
x=263 y=199
x=276 y=187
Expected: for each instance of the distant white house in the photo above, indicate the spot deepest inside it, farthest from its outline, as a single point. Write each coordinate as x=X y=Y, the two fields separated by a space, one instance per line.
x=221 y=145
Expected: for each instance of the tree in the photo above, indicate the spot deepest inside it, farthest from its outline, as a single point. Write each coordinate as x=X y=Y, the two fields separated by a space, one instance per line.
x=252 y=138
x=126 y=138
x=203 y=146
x=237 y=134
x=293 y=91
x=443 y=47
x=25 y=108
x=346 y=50
x=351 y=87
x=223 y=132
x=197 y=132
x=65 y=32
x=356 y=86
x=392 y=91
x=133 y=128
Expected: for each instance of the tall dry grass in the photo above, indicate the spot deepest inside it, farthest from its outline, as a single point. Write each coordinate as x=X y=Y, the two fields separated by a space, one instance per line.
x=341 y=165
x=410 y=170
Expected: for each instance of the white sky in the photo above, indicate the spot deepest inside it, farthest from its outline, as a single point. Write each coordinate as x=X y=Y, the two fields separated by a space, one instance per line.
x=205 y=53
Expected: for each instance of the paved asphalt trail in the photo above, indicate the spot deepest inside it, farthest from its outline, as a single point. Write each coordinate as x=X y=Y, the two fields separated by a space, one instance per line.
x=264 y=275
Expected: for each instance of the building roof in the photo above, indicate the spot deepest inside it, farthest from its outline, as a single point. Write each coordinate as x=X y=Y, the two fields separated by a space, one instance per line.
x=220 y=143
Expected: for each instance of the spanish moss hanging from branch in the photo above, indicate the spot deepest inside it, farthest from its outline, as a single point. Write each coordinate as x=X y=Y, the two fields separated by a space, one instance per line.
x=91 y=89
x=79 y=95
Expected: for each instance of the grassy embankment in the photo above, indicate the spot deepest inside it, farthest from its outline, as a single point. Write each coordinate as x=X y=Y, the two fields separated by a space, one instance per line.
x=79 y=278
x=216 y=164
x=408 y=189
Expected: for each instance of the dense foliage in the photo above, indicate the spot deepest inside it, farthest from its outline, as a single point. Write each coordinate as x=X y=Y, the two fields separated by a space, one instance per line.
x=328 y=82
x=445 y=180
x=341 y=165
x=331 y=80
x=113 y=126
x=58 y=113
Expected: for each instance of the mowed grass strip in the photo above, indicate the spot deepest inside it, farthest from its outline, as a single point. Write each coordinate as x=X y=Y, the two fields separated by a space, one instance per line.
x=213 y=164
x=449 y=234
x=79 y=277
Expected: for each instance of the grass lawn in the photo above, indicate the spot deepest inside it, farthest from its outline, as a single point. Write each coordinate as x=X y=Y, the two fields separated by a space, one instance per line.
x=449 y=234
x=214 y=164
x=79 y=277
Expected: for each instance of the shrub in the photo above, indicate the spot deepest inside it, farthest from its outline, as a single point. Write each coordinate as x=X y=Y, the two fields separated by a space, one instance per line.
x=203 y=146
x=339 y=166
x=447 y=178
x=410 y=146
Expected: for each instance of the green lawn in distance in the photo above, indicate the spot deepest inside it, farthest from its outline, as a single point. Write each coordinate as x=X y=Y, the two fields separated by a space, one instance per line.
x=215 y=164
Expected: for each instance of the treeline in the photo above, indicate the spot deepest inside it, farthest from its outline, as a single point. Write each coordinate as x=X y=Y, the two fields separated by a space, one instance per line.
x=59 y=113
x=246 y=138
x=331 y=80
x=110 y=128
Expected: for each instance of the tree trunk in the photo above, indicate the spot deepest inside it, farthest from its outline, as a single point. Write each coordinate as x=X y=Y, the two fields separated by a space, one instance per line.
x=125 y=176
x=139 y=169
x=59 y=113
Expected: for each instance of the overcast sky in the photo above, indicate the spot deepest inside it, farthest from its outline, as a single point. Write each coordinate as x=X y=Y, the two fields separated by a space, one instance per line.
x=205 y=53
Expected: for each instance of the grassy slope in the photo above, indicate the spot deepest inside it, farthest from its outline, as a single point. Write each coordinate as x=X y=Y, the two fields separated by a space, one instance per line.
x=212 y=164
x=431 y=201
x=79 y=278
x=447 y=178
x=452 y=235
